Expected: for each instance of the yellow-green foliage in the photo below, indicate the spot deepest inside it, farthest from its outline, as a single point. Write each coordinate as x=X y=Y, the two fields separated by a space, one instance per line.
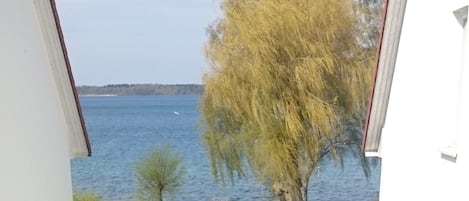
x=86 y=196
x=286 y=76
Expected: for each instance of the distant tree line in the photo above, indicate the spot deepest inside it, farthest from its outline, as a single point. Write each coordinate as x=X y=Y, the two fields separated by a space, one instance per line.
x=141 y=89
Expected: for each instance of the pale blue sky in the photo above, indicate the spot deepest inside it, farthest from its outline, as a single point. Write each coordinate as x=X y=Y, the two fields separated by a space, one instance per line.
x=136 y=41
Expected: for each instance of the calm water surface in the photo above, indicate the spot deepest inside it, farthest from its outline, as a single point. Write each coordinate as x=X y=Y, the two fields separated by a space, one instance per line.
x=124 y=129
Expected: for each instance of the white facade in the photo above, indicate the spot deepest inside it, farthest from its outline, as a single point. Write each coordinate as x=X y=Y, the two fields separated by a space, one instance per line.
x=425 y=139
x=40 y=128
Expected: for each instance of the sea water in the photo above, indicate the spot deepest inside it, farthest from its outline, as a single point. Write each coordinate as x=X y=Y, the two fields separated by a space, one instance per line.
x=124 y=129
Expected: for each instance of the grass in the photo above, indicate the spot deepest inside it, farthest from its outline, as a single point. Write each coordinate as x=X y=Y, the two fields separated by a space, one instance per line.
x=86 y=196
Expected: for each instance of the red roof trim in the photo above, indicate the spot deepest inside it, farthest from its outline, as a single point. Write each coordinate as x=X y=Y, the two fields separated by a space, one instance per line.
x=373 y=85
x=70 y=75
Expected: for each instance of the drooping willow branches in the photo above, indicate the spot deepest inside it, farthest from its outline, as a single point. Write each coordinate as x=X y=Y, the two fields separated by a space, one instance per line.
x=286 y=77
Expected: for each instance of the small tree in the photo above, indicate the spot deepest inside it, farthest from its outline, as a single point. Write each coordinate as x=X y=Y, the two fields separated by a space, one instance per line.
x=160 y=172
x=86 y=196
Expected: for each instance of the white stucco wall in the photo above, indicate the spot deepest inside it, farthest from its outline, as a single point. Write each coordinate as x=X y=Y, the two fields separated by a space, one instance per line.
x=423 y=108
x=34 y=152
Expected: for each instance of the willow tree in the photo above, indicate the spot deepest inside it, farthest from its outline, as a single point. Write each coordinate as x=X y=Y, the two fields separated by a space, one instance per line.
x=287 y=78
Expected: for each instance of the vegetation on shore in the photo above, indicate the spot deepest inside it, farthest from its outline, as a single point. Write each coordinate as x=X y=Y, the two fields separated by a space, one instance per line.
x=86 y=196
x=161 y=172
x=141 y=89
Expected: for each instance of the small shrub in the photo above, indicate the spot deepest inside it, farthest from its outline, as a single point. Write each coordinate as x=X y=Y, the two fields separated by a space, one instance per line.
x=160 y=172
x=86 y=196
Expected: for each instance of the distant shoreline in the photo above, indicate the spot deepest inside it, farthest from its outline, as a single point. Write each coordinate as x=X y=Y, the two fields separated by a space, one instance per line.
x=140 y=89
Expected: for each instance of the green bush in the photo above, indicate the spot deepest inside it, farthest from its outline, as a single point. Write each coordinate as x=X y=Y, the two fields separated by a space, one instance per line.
x=86 y=196
x=160 y=172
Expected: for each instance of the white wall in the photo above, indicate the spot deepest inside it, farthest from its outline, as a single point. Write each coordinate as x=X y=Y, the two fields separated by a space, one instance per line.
x=422 y=113
x=34 y=153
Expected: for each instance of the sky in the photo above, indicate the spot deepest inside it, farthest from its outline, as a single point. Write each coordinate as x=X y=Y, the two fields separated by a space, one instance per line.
x=137 y=41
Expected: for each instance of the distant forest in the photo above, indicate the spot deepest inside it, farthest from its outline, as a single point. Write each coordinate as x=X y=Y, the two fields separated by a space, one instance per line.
x=141 y=89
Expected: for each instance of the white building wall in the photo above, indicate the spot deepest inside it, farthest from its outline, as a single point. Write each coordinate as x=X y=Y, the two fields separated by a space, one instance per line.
x=34 y=152
x=462 y=132
x=423 y=108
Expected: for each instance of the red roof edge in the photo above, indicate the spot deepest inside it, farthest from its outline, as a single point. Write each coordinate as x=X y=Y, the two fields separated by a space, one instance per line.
x=70 y=75
x=375 y=73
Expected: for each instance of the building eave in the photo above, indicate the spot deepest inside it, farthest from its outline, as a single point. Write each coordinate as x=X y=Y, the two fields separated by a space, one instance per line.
x=70 y=75
x=61 y=73
x=375 y=74
x=388 y=43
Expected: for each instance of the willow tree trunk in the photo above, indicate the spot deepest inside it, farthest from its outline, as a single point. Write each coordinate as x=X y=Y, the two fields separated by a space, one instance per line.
x=304 y=192
x=160 y=193
x=292 y=193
